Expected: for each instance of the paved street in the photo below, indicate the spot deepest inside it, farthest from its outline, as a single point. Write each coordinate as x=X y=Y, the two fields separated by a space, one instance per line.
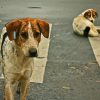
x=71 y=71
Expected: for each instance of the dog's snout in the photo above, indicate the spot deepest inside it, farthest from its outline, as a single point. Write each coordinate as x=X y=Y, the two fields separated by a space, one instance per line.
x=33 y=52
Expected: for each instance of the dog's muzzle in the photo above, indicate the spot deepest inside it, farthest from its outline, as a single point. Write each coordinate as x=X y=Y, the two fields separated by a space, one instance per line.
x=92 y=21
x=33 y=52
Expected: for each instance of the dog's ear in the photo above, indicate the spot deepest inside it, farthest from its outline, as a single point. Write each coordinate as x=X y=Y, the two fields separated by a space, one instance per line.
x=13 y=28
x=96 y=13
x=44 y=28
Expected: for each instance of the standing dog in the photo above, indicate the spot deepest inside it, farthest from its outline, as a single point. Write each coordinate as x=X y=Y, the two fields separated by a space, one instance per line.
x=20 y=40
x=83 y=23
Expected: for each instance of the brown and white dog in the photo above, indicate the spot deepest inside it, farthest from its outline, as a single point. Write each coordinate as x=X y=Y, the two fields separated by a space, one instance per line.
x=83 y=24
x=20 y=40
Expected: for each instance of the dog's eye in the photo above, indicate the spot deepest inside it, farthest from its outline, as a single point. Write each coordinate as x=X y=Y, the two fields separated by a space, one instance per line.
x=24 y=35
x=36 y=34
x=94 y=16
x=89 y=15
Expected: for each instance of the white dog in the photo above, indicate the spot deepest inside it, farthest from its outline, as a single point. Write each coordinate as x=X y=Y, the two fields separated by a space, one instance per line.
x=83 y=23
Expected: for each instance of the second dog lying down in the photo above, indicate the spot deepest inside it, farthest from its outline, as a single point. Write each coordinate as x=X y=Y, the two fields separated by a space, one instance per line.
x=83 y=24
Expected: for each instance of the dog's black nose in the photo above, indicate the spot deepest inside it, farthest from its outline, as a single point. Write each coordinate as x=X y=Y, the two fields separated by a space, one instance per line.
x=92 y=21
x=33 y=52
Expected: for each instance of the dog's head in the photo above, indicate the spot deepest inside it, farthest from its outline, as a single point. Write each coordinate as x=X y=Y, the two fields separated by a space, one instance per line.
x=27 y=34
x=90 y=14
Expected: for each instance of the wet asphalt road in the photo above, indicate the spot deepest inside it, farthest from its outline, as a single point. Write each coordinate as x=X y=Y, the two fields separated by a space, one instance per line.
x=72 y=72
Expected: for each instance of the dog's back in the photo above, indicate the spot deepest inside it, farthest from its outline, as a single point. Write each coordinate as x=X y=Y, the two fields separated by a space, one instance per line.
x=79 y=24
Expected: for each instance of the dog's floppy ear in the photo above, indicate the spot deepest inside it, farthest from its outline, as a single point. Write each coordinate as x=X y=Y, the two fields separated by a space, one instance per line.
x=44 y=27
x=96 y=14
x=13 y=29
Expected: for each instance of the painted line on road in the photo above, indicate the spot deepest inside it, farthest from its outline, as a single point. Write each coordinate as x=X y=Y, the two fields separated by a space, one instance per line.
x=95 y=44
x=40 y=62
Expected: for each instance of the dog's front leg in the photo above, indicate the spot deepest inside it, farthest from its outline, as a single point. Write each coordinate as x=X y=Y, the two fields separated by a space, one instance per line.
x=24 y=86
x=8 y=92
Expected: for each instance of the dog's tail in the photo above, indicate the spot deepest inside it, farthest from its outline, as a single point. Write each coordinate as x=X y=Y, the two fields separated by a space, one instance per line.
x=86 y=31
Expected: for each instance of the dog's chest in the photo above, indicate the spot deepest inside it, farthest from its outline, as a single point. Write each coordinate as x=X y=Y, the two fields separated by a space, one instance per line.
x=13 y=59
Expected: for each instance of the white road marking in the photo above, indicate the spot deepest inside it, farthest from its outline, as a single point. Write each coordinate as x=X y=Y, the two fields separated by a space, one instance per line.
x=40 y=62
x=38 y=70
x=95 y=44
